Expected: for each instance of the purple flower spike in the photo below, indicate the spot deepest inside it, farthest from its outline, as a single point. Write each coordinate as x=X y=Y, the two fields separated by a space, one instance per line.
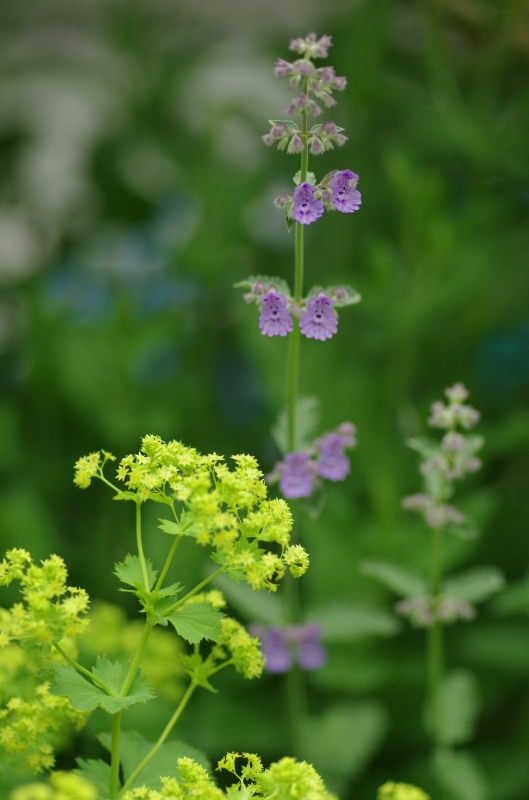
x=345 y=196
x=297 y=474
x=311 y=654
x=275 y=319
x=306 y=209
x=275 y=648
x=333 y=463
x=320 y=320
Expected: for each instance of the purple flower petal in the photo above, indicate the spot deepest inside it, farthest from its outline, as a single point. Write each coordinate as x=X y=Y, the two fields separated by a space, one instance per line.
x=305 y=209
x=332 y=463
x=345 y=196
x=320 y=320
x=297 y=474
x=310 y=655
x=275 y=648
x=275 y=319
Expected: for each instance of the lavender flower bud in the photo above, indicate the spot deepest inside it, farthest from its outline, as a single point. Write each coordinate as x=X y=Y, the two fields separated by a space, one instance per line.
x=326 y=75
x=457 y=393
x=330 y=128
x=328 y=100
x=297 y=475
x=275 y=319
x=295 y=144
x=283 y=68
x=282 y=200
x=320 y=320
x=316 y=146
x=304 y=67
x=339 y=83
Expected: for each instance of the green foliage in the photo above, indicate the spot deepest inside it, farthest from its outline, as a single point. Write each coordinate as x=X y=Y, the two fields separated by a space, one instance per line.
x=461 y=775
x=460 y=707
x=308 y=415
x=395 y=578
x=82 y=694
x=352 y=622
x=130 y=572
x=196 y=622
x=97 y=772
x=475 y=585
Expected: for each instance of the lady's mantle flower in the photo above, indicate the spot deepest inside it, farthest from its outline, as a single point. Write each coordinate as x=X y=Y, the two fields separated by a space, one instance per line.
x=306 y=209
x=333 y=464
x=345 y=196
x=319 y=320
x=297 y=475
x=284 y=646
x=275 y=319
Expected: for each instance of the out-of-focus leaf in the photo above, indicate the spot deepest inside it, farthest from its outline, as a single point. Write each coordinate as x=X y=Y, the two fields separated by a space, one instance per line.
x=514 y=600
x=399 y=580
x=262 y=607
x=460 y=707
x=307 y=418
x=134 y=748
x=475 y=585
x=343 y=739
x=350 y=622
x=461 y=775
x=502 y=647
x=196 y=622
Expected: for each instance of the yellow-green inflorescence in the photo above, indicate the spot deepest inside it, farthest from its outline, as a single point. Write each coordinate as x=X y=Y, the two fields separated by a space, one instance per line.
x=401 y=791
x=287 y=779
x=30 y=729
x=224 y=508
x=51 y=610
x=60 y=786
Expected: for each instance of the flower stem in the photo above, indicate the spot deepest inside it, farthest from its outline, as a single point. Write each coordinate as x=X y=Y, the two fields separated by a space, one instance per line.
x=166 y=731
x=293 y=353
x=114 y=755
x=137 y=658
x=192 y=592
x=435 y=644
x=140 y=547
x=161 y=579
x=82 y=670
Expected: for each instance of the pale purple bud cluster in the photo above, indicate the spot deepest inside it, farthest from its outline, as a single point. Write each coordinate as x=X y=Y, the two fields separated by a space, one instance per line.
x=303 y=104
x=299 y=473
x=455 y=413
x=283 y=647
x=435 y=515
x=311 y=46
x=424 y=611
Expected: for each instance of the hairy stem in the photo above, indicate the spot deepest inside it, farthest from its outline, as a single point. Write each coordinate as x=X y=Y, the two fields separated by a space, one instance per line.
x=137 y=658
x=166 y=731
x=435 y=645
x=140 y=548
x=114 y=755
x=192 y=592
x=82 y=670
x=161 y=579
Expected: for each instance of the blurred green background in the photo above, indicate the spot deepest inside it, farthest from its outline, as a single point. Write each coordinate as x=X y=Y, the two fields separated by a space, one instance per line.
x=135 y=190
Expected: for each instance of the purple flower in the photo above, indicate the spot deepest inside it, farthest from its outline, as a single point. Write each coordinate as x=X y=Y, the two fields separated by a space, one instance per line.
x=283 y=646
x=332 y=463
x=275 y=319
x=306 y=209
x=319 y=320
x=345 y=197
x=311 y=654
x=297 y=475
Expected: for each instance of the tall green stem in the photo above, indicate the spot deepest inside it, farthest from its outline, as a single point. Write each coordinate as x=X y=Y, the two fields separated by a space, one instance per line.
x=293 y=354
x=137 y=658
x=114 y=755
x=193 y=591
x=435 y=645
x=167 y=564
x=166 y=731
x=140 y=547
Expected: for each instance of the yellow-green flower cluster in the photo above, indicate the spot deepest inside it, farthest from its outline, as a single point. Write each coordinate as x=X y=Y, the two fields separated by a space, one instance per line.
x=401 y=791
x=89 y=467
x=50 y=610
x=60 y=786
x=213 y=597
x=224 y=508
x=111 y=633
x=244 y=650
x=29 y=729
x=287 y=779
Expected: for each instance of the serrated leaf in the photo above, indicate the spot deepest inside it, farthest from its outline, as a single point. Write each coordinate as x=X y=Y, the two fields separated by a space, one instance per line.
x=475 y=585
x=130 y=572
x=307 y=418
x=97 y=772
x=426 y=447
x=134 y=748
x=169 y=526
x=289 y=122
x=185 y=527
x=460 y=707
x=170 y=591
x=256 y=606
x=289 y=221
x=196 y=622
x=349 y=623
x=84 y=696
x=311 y=178
x=343 y=739
x=399 y=580
x=461 y=774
